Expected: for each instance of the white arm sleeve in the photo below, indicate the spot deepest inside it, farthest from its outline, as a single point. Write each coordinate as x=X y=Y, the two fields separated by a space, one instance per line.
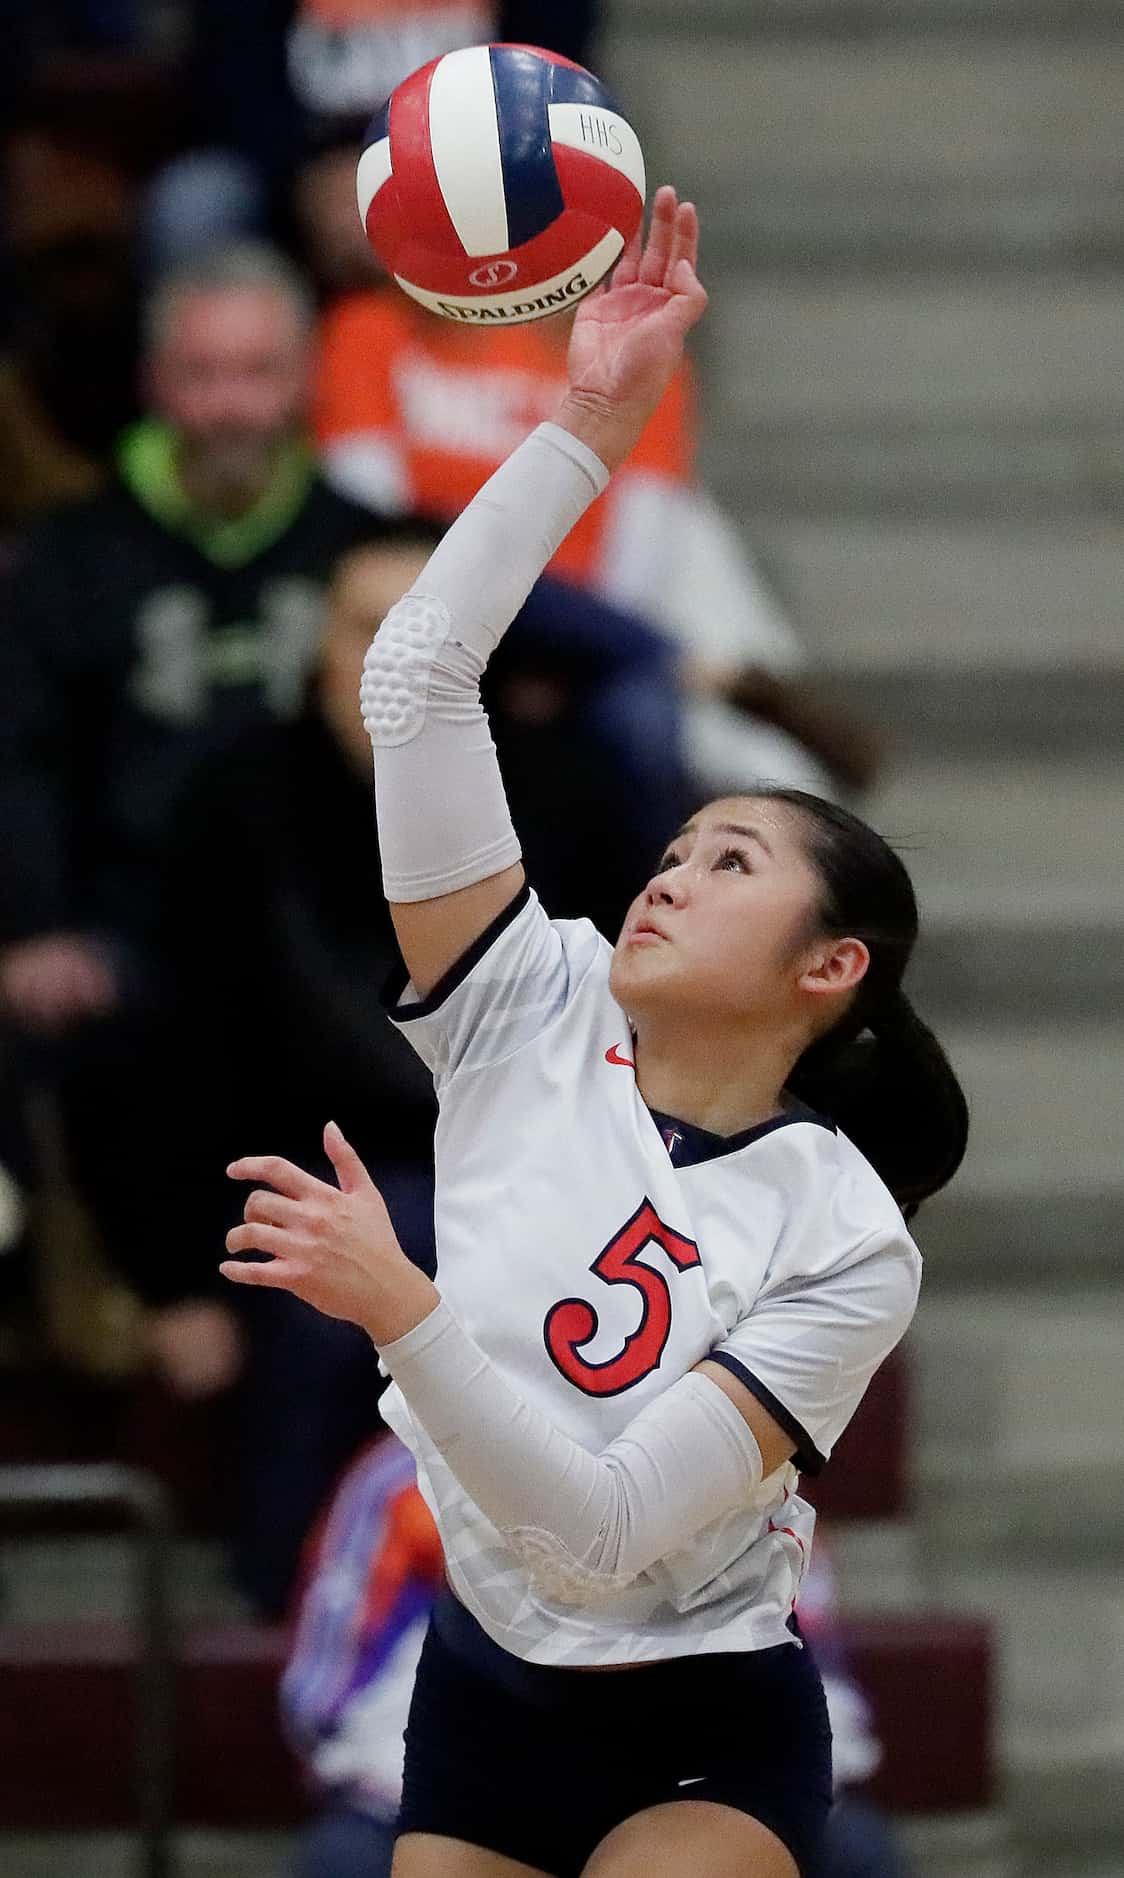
x=582 y=1522
x=442 y=814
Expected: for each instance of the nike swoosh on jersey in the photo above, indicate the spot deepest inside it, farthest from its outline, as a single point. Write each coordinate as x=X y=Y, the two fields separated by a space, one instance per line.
x=612 y=1056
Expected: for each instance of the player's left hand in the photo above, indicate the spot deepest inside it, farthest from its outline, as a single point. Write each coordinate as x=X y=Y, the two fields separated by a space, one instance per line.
x=627 y=338
x=335 y=1247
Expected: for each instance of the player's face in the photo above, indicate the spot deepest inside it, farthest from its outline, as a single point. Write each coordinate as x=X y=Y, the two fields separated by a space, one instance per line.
x=231 y=376
x=723 y=926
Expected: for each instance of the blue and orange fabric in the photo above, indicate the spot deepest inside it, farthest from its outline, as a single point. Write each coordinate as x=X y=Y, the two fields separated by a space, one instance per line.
x=449 y=404
x=374 y=1566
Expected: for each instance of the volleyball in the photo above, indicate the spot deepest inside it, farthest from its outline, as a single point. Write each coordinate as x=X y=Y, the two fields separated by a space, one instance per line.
x=499 y=184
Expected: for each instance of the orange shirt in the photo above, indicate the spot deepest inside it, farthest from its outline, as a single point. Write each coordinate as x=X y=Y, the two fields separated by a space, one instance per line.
x=452 y=404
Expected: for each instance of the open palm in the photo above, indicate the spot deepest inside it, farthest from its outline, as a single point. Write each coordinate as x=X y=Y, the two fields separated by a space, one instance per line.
x=627 y=339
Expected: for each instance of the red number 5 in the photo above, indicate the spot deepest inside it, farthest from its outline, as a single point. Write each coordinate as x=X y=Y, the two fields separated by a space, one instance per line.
x=573 y=1323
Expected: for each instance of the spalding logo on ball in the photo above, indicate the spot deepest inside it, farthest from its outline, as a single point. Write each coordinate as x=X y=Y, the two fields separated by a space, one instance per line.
x=499 y=184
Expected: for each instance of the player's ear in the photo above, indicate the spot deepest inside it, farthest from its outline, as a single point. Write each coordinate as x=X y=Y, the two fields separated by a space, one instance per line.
x=832 y=966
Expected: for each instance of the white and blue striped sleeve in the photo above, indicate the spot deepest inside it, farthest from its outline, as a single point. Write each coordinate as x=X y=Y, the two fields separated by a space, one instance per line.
x=514 y=981
x=814 y=1338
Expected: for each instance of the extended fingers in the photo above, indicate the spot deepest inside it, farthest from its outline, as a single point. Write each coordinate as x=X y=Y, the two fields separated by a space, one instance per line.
x=661 y=234
x=273 y=1171
x=258 y=1237
x=684 y=241
x=689 y=297
x=271 y=1209
x=276 y=1276
x=350 y=1171
x=627 y=271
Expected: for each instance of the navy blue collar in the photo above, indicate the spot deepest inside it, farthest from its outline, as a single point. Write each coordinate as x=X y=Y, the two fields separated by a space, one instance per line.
x=687 y=1144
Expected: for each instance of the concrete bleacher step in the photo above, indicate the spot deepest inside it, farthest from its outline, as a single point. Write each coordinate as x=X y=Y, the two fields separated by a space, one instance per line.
x=1060 y=1685
x=967 y=1845
x=1045 y=1106
x=980 y=350
x=197 y=1854
x=1019 y=877
x=1018 y=1445
x=972 y=711
x=848 y=150
x=825 y=19
x=991 y=466
x=974 y=1237
x=925 y=597
x=959 y=639
x=1008 y=839
x=987 y=394
x=1008 y=966
x=1061 y=1701
x=1066 y=1811
x=69 y=1579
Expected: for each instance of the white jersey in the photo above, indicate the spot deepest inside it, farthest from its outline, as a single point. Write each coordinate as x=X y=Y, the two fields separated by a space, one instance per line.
x=597 y=1251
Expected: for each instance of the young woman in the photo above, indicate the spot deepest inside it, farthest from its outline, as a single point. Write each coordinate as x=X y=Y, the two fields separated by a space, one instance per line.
x=671 y=1179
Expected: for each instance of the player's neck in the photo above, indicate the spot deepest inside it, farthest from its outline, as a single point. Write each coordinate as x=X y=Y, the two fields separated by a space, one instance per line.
x=711 y=1082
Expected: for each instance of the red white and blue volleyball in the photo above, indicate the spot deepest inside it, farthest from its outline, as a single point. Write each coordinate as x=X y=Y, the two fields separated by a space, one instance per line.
x=499 y=184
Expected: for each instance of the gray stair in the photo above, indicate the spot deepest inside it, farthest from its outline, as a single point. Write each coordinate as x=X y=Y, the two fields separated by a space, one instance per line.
x=1040 y=1197
x=968 y=712
x=77 y=1580
x=824 y=20
x=1019 y=870
x=927 y=597
x=1059 y=1626
x=949 y=111
x=1009 y=839
x=958 y=639
x=990 y=466
x=949 y=352
x=914 y=230
x=1046 y=1109
x=1019 y=1443
x=115 y=1855
x=960 y=149
x=974 y=1239
x=988 y=394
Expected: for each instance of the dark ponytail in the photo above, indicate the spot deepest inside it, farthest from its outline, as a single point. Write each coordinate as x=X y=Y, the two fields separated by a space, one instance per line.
x=880 y=1073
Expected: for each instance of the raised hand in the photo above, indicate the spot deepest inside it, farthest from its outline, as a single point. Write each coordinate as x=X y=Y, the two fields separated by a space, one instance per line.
x=335 y=1247
x=627 y=339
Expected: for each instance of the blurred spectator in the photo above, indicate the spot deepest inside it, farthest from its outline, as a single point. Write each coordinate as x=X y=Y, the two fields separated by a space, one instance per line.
x=68 y=356
x=15 y=1265
x=280 y=81
x=412 y=410
x=40 y=28
x=143 y=628
x=374 y=1570
x=153 y=621
x=101 y=81
x=375 y=1567
x=277 y=939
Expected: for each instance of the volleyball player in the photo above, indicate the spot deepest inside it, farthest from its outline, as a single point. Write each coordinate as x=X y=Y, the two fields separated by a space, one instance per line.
x=671 y=1186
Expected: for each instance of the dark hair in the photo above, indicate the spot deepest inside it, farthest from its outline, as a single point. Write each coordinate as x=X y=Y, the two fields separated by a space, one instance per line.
x=879 y=1072
x=415 y=529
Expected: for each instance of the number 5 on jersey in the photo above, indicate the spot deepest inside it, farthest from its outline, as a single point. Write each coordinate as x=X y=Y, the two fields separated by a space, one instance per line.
x=573 y=1323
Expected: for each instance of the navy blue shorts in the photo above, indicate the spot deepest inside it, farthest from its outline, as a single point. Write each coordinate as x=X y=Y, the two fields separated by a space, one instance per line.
x=540 y=1763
